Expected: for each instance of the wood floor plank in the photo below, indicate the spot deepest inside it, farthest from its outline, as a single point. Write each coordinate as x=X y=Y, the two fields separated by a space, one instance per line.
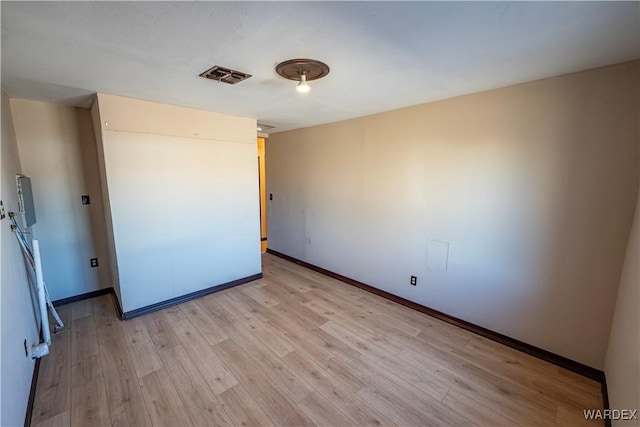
x=412 y=397
x=89 y=405
x=322 y=412
x=292 y=349
x=513 y=369
x=216 y=373
x=141 y=349
x=274 y=340
x=126 y=405
x=350 y=379
x=301 y=315
x=301 y=339
x=213 y=370
x=570 y=416
x=164 y=405
x=484 y=376
x=60 y=420
x=81 y=309
x=423 y=380
x=198 y=398
x=333 y=345
x=332 y=388
x=190 y=337
x=204 y=323
x=260 y=295
x=480 y=414
x=53 y=391
x=359 y=340
x=160 y=330
x=277 y=407
x=243 y=308
x=84 y=340
x=243 y=409
x=86 y=370
x=288 y=291
x=484 y=391
x=103 y=311
x=361 y=312
x=390 y=406
x=218 y=314
x=291 y=385
x=174 y=315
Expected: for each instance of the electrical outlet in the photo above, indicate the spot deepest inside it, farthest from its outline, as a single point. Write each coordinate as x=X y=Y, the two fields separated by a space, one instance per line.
x=414 y=280
x=86 y=200
x=270 y=196
x=26 y=349
x=94 y=262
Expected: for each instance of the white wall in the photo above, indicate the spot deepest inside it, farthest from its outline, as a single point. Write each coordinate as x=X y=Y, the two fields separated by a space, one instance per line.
x=106 y=206
x=182 y=188
x=58 y=152
x=622 y=365
x=531 y=187
x=17 y=318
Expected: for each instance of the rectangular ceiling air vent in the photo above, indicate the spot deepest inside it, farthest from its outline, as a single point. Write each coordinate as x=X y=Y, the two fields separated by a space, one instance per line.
x=226 y=75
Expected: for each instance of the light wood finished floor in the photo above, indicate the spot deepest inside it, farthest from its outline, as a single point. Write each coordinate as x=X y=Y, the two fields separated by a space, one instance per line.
x=295 y=348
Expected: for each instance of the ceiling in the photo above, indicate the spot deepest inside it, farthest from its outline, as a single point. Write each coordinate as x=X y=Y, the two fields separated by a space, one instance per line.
x=383 y=55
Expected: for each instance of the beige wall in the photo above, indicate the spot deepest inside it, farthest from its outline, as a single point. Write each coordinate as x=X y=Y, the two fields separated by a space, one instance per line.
x=622 y=365
x=18 y=321
x=57 y=150
x=182 y=194
x=512 y=206
x=104 y=191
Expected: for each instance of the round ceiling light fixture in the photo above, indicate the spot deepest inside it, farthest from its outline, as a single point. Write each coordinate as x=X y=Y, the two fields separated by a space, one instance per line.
x=302 y=71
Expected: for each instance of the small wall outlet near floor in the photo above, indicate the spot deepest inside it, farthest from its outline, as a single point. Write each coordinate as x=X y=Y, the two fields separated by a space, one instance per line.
x=413 y=281
x=94 y=262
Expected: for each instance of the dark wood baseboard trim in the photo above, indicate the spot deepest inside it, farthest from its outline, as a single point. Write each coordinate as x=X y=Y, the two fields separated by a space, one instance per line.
x=116 y=303
x=556 y=359
x=605 y=397
x=32 y=394
x=81 y=297
x=188 y=297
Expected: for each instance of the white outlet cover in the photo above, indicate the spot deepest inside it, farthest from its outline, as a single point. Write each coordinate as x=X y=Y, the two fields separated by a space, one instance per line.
x=437 y=256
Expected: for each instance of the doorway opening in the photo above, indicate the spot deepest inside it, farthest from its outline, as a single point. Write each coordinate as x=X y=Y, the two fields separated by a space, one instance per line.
x=263 y=194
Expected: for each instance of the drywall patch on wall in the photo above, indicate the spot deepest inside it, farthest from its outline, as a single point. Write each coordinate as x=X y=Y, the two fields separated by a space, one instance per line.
x=18 y=319
x=437 y=256
x=533 y=186
x=184 y=208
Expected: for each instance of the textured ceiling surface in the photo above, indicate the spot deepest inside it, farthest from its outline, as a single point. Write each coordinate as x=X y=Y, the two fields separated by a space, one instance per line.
x=383 y=55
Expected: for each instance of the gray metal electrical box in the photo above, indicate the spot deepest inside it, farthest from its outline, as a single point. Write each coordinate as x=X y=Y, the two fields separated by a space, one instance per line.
x=25 y=200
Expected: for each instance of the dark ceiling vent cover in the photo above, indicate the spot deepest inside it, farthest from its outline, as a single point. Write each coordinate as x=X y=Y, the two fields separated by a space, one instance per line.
x=226 y=75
